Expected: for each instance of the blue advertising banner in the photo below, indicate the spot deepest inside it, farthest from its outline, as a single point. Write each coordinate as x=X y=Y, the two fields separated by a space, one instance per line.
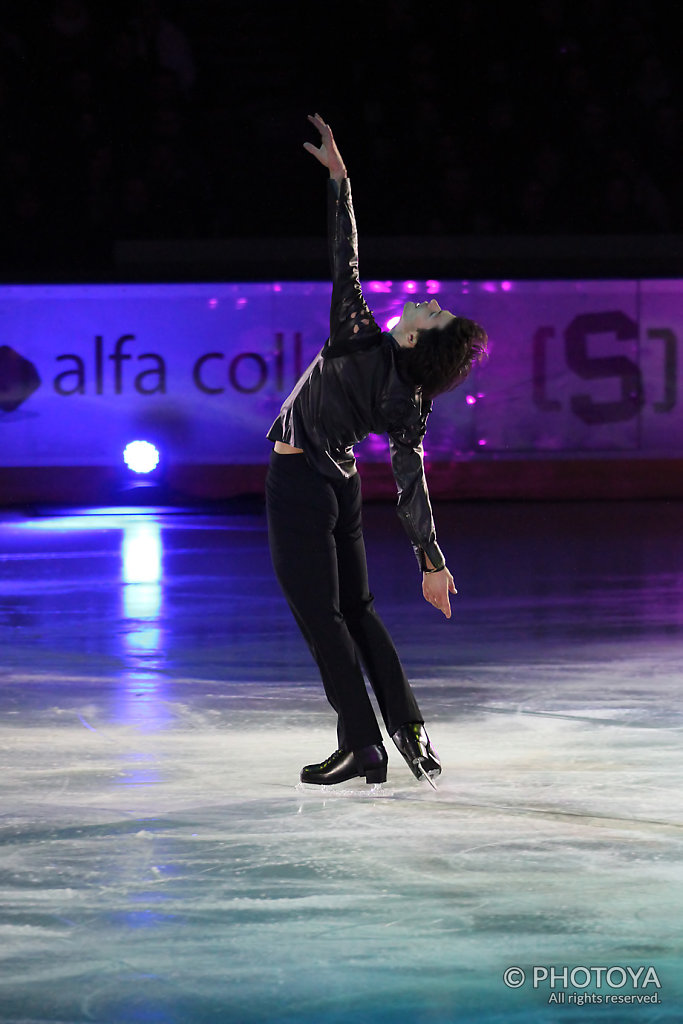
x=576 y=369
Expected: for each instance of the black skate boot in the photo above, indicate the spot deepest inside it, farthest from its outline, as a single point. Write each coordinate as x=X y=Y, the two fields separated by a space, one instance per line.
x=420 y=756
x=368 y=762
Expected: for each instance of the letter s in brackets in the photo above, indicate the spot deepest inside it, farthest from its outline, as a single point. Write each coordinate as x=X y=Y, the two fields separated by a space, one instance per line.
x=603 y=367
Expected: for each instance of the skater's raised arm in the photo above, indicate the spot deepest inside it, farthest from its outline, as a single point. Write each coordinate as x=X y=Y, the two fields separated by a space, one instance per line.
x=352 y=325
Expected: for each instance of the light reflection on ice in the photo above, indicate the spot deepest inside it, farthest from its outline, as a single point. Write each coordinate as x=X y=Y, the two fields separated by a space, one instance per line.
x=141 y=698
x=141 y=551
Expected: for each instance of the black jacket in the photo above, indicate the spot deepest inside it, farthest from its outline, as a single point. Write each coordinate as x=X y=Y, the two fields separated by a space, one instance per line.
x=354 y=388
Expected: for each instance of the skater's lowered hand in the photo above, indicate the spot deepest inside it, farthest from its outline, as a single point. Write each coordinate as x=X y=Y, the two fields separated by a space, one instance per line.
x=327 y=152
x=436 y=586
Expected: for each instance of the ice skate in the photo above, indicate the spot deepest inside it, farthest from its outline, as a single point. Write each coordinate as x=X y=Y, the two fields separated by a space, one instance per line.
x=367 y=762
x=413 y=742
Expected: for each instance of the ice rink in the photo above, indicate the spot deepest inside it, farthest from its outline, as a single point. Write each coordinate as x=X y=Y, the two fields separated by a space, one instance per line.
x=159 y=864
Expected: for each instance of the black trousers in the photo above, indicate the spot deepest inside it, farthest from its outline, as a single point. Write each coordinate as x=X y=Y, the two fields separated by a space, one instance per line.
x=316 y=543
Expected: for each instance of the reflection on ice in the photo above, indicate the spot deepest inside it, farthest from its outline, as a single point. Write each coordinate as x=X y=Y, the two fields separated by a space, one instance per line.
x=141 y=694
x=345 y=792
x=141 y=600
x=141 y=551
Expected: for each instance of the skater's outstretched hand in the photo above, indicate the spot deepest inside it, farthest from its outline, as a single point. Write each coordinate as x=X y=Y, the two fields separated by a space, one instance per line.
x=436 y=586
x=327 y=152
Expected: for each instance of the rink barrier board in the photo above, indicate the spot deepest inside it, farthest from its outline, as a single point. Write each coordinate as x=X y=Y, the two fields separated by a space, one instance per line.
x=562 y=480
x=579 y=397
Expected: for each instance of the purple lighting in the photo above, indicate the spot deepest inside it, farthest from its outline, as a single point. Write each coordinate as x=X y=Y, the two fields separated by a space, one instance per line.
x=200 y=387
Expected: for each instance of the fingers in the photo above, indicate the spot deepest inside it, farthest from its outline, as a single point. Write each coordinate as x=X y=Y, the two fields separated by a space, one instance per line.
x=451 y=583
x=436 y=590
x=322 y=127
x=320 y=152
x=443 y=605
x=440 y=602
x=316 y=152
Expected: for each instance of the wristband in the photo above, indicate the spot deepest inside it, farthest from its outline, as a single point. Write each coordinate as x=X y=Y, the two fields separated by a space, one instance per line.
x=440 y=569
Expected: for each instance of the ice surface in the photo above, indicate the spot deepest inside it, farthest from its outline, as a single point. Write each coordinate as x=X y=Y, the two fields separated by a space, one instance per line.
x=160 y=863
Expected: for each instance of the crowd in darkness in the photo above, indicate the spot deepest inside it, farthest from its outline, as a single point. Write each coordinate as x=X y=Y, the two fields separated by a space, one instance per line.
x=155 y=120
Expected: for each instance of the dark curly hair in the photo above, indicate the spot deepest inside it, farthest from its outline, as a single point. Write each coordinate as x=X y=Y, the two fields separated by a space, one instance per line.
x=443 y=356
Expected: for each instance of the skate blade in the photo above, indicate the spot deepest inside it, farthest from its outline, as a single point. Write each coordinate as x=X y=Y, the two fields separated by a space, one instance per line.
x=429 y=779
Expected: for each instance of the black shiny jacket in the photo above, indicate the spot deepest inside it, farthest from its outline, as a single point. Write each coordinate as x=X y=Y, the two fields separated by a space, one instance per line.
x=354 y=388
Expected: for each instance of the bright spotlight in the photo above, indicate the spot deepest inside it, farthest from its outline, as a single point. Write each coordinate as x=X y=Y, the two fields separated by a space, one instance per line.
x=141 y=456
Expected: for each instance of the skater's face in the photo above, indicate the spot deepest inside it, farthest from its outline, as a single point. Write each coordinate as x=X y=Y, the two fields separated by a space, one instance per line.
x=422 y=316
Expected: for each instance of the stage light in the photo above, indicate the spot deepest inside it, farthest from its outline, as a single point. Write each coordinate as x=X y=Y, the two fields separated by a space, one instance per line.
x=141 y=456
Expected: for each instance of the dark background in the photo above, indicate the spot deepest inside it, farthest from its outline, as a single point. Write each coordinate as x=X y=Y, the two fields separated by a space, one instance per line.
x=185 y=120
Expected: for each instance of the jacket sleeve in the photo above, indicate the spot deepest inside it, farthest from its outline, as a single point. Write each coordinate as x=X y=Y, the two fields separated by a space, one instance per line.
x=352 y=325
x=414 y=507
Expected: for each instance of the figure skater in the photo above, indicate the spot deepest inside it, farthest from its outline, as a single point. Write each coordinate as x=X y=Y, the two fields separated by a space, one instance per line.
x=363 y=381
